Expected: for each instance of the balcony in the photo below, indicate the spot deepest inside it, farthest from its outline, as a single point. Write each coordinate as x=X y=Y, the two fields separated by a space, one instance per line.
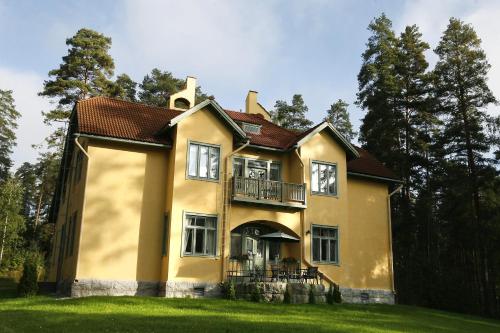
x=269 y=192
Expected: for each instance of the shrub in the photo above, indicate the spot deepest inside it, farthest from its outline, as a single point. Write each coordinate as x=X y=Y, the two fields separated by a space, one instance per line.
x=329 y=295
x=228 y=290
x=256 y=295
x=312 y=299
x=287 y=297
x=337 y=296
x=28 y=284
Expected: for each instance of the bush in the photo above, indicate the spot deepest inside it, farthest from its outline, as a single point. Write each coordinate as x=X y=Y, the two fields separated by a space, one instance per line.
x=228 y=290
x=329 y=295
x=28 y=284
x=337 y=296
x=287 y=297
x=312 y=299
x=256 y=295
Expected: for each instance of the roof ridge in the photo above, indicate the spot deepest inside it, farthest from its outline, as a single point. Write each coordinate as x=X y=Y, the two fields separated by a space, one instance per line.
x=125 y=101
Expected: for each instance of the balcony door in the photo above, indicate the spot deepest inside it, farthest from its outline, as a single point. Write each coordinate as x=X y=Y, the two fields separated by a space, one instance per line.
x=257 y=170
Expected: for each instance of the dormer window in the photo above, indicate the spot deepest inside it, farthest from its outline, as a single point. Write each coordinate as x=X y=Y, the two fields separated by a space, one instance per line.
x=251 y=128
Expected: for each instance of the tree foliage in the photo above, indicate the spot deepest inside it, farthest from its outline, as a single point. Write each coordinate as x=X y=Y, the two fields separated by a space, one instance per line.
x=291 y=116
x=123 y=88
x=432 y=129
x=338 y=116
x=157 y=87
x=11 y=225
x=8 y=125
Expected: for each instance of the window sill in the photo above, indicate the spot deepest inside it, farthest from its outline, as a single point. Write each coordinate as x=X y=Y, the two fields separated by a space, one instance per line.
x=325 y=195
x=326 y=263
x=203 y=179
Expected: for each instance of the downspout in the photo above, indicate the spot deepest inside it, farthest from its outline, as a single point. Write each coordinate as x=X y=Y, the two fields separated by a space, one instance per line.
x=225 y=211
x=77 y=256
x=303 y=224
x=391 y=259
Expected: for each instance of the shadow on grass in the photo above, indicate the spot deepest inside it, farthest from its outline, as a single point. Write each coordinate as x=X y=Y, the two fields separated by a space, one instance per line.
x=141 y=314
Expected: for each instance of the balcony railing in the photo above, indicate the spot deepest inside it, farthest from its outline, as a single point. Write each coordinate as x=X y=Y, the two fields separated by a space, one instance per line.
x=269 y=192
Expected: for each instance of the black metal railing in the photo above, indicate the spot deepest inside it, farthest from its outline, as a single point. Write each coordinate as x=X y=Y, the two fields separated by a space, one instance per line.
x=299 y=275
x=269 y=190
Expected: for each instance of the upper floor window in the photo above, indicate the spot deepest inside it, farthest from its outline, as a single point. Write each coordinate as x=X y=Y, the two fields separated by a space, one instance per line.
x=203 y=161
x=256 y=169
x=251 y=128
x=200 y=235
x=323 y=178
x=325 y=248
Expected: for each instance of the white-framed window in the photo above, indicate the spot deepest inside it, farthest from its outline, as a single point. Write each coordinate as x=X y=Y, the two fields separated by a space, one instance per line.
x=325 y=244
x=199 y=235
x=251 y=128
x=323 y=178
x=203 y=161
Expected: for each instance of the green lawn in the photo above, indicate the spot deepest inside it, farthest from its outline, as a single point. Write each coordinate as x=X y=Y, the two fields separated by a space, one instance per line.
x=148 y=314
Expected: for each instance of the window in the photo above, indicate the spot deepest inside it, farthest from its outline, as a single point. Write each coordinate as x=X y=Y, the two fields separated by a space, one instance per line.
x=203 y=161
x=325 y=248
x=164 y=235
x=79 y=165
x=73 y=228
x=200 y=233
x=251 y=128
x=323 y=178
x=256 y=169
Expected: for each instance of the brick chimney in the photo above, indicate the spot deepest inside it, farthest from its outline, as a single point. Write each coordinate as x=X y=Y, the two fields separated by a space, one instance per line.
x=185 y=98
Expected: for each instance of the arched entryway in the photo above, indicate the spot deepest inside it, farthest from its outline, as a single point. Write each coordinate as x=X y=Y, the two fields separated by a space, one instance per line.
x=260 y=245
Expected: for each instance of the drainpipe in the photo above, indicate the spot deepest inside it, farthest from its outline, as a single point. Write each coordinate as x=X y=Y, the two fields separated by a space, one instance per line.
x=391 y=260
x=225 y=211
x=303 y=225
x=77 y=255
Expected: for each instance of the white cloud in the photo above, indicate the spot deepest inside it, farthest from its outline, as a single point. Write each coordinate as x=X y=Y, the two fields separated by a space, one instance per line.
x=432 y=17
x=214 y=40
x=31 y=130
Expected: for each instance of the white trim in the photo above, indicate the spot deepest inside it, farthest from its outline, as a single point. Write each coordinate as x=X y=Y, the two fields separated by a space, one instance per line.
x=349 y=147
x=217 y=108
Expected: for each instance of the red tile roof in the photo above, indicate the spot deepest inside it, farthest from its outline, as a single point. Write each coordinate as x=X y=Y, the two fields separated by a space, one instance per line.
x=367 y=164
x=115 y=118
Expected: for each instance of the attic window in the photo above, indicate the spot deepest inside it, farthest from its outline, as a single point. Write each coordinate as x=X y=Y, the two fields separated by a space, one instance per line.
x=251 y=128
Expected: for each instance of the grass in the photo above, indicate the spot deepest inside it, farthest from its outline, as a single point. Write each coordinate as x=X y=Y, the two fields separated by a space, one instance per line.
x=150 y=314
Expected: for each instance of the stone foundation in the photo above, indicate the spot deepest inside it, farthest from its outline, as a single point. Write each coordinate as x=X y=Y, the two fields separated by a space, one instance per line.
x=275 y=291
x=366 y=296
x=92 y=287
x=173 y=289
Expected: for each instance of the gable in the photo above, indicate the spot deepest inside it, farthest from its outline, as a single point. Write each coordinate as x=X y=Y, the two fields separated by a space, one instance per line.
x=214 y=107
x=326 y=127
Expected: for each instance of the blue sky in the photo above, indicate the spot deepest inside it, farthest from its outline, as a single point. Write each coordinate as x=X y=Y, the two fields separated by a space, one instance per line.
x=275 y=47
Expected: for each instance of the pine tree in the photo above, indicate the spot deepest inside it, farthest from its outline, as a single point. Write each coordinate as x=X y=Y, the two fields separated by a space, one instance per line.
x=338 y=116
x=463 y=95
x=85 y=72
x=291 y=116
x=8 y=124
x=378 y=90
x=123 y=88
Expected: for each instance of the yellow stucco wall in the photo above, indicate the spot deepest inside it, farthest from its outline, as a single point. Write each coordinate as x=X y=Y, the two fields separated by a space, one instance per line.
x=327 y=210
x=123 y=213
x=130 y=188
x=195 y=196
x=72 y=203
x=369 y=248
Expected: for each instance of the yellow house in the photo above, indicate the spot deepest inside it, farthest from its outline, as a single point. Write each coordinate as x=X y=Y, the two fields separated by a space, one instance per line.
x=173 y=200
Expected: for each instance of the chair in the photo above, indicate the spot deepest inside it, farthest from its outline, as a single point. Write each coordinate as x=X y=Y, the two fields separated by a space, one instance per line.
x=311 y=273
